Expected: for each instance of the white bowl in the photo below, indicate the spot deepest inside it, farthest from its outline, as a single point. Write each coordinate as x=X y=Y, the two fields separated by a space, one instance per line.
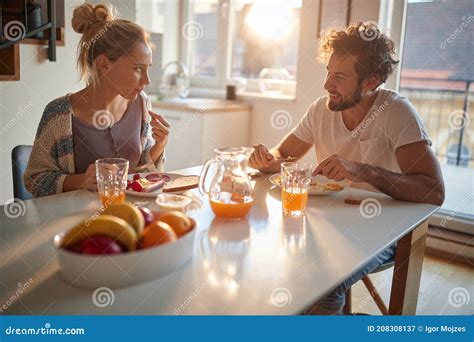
x=126 y=269
x=168 y=202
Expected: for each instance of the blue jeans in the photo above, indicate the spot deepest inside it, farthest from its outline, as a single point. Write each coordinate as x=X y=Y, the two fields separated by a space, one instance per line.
x=334 y=302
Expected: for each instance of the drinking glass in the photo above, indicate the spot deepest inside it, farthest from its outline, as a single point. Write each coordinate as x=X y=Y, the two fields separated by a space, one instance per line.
x=295 y=179
x=111 y=176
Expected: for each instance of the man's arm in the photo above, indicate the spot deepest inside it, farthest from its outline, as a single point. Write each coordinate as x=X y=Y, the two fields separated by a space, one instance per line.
x=420 y=179
x=269 y=161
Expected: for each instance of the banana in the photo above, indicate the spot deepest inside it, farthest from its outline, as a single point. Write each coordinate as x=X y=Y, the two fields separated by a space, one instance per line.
x=129 y=213
x=108 y=225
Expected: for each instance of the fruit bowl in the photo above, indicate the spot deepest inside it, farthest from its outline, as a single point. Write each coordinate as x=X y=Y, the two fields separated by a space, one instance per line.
x=125 y=269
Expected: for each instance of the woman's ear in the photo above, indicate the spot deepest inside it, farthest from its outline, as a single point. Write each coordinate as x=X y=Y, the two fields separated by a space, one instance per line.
x=102 y=64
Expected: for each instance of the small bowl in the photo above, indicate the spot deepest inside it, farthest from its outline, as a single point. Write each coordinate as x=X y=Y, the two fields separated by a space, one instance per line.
x=126 y=269
x=169 y=202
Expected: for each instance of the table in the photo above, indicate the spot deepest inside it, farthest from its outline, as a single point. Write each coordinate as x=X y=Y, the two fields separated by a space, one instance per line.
x=264 y=264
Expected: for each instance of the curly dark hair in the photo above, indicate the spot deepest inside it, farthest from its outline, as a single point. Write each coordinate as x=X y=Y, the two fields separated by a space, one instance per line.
x=373 y=50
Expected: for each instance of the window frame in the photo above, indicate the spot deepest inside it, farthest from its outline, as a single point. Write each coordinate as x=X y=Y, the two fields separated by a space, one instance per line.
x=223 y=77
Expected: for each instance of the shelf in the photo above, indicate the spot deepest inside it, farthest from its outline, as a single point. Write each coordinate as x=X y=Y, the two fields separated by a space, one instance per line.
x=10 y=63
x=43 y=21
x=35 y=41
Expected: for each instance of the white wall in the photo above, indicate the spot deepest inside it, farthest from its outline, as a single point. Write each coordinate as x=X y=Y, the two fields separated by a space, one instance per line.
x=23 y=101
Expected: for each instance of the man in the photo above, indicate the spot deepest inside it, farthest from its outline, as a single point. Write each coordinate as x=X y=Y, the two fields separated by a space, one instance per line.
x=370 y=136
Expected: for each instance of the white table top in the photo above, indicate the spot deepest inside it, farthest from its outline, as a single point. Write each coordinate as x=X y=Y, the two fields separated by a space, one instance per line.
x=264 y=264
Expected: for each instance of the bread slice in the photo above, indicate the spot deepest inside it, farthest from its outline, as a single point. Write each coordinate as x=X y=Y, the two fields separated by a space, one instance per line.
x=182 y=184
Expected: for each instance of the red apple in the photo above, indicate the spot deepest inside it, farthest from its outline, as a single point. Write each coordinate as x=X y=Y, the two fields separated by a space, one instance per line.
x=99 y=244
x=147 y=215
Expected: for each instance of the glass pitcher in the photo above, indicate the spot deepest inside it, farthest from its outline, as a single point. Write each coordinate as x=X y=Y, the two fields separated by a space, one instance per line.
x=230 y=191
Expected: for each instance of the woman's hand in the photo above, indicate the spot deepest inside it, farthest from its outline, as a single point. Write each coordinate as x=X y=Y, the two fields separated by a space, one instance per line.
x=78 y=181
x=160 y=129
x=89 y=181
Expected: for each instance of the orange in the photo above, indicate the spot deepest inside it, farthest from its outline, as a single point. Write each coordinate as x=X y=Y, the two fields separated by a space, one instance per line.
x=157 y=233
x=180 y=223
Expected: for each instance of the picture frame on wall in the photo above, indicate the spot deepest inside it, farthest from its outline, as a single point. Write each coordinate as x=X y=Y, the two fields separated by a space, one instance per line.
x=330 y=14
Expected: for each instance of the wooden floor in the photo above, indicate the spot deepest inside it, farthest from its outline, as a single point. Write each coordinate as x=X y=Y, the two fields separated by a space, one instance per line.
x=447 y=288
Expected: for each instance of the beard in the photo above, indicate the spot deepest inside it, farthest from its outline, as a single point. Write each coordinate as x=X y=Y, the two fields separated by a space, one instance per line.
x=346 y=102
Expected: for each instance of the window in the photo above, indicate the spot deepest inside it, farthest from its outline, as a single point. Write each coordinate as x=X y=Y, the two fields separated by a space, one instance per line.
x=437 y=75
x=250 y=43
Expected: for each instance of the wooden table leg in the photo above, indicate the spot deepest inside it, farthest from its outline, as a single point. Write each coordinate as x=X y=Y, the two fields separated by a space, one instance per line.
x=407 y=272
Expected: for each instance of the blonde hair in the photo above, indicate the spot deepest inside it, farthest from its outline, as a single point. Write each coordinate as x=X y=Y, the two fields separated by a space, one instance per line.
x=103 y=33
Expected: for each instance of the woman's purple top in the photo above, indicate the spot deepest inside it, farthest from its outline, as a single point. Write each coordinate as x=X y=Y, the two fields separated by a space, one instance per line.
x=119 y=140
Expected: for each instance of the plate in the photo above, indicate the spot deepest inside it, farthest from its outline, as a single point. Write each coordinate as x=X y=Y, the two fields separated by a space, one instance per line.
x=320 y=185
x=172 y=176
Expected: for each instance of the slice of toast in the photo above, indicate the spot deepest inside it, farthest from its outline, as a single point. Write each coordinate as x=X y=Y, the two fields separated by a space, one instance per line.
x=182 y=184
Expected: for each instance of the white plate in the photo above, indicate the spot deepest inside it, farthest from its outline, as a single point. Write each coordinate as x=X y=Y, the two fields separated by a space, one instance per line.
x=318 y=190
x=172 y=176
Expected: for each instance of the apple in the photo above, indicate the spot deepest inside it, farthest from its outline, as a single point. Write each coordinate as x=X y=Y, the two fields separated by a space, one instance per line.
x=99 y=244
x=147 y=215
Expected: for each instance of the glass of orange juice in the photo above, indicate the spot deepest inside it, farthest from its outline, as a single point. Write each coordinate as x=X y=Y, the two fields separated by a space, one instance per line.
x=111 y=176
x=295 y=179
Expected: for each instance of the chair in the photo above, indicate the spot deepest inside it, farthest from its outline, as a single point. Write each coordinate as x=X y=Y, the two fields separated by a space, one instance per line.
x=347 y=310
x=20 y=157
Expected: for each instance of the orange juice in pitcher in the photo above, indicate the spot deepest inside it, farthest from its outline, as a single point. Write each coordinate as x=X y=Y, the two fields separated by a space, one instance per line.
x=228 y=205
x=230 y=191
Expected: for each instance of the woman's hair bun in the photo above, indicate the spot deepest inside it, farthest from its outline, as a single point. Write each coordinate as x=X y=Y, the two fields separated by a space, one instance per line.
x=87 y=15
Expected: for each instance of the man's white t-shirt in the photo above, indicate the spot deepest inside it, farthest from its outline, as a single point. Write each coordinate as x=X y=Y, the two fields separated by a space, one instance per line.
x=390 y=123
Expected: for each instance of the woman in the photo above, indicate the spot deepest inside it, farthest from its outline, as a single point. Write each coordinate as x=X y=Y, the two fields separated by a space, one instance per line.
x=108 y=118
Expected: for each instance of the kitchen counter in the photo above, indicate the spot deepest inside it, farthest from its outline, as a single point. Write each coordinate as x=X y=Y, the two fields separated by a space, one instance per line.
x=204 y=105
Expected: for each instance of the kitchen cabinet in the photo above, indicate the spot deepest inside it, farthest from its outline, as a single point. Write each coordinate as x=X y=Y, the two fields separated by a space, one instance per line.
x=198 y=126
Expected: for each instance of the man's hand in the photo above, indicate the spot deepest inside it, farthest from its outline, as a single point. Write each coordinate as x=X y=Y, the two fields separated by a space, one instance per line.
x=261 y=158
x=337 y=168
